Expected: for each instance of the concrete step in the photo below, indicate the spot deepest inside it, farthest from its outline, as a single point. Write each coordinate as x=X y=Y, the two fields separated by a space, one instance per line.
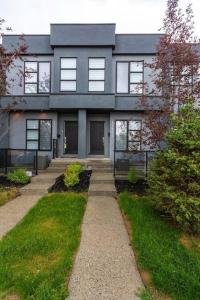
x=101 y=176
x=53 y=170
x=103 y=170
x=107 y=189
x=48 y=178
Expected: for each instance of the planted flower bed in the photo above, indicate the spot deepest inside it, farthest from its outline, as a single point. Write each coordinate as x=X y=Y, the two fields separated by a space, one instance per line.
x=74 y=179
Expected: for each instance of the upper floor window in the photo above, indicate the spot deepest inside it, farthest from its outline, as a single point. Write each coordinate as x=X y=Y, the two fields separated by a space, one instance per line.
x=38 y=134
x=68 y=74
x=96 y=74
x=130 y=77
x=37 y=77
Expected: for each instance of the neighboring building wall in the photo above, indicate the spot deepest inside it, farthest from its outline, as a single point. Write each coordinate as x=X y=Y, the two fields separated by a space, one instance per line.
x=17 y=136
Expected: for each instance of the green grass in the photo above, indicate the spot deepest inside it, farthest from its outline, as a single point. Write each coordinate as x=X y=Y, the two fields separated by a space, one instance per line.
x=36 y=256
x=174 y=270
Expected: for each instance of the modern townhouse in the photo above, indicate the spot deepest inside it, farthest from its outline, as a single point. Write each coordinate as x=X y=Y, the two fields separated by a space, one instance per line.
x=80 y=91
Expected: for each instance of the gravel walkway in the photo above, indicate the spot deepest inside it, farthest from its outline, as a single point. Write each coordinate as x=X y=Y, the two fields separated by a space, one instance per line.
x=105 y=266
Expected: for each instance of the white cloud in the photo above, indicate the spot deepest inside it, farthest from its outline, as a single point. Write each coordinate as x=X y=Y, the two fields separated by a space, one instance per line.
x=34 y=16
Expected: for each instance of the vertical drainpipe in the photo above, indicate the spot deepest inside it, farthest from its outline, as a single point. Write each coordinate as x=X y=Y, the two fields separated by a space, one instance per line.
x=82 y=133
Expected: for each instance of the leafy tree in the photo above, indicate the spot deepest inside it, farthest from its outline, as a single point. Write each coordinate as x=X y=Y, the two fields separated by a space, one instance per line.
x=174 y=73
x=174 y=177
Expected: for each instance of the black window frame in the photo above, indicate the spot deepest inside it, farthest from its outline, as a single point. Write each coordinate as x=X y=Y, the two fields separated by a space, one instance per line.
x=127 y=135
x=96 y=80
x=177 y=85
x=38 y=140
x=129 y=77
x=36 y=72
x=68 y=91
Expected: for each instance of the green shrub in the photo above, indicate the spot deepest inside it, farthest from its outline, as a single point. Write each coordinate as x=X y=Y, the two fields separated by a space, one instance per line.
x=132 y=175
x=18 y=176
x=174 y=177
x=71 y=175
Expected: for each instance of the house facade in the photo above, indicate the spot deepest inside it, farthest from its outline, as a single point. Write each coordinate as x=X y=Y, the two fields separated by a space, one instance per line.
x=80 y=88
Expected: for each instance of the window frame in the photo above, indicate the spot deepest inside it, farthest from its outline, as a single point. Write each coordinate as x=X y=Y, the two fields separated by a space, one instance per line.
x=68 y=80
x=127 y=135
x=37 y=72
x=38 y=140
x=129 y=77
x=96 y=80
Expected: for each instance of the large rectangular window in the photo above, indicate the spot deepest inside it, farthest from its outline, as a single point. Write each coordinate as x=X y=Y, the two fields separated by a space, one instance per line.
x=130 y=77
x=128 y=135
x=68 y=74
x=38 y=134
x=96 y=74
x=37 y=77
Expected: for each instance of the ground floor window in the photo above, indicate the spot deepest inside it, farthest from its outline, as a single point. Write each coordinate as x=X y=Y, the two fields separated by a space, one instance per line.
x=128 y=135
x=39 y=134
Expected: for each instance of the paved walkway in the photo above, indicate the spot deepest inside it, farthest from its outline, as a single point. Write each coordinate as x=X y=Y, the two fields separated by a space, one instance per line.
x=105 y=266
x=12 y=212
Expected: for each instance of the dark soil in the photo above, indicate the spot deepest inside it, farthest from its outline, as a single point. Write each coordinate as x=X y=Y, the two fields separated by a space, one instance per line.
x=82 y=186
x=124 y=185
x=5 y=183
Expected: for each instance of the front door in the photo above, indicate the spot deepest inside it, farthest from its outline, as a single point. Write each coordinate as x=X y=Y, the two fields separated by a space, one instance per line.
x=71 y=137
x=97 y=137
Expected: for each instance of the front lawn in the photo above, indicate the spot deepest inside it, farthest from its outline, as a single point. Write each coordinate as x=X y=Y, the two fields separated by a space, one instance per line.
x=36 y=256
x=168 y=263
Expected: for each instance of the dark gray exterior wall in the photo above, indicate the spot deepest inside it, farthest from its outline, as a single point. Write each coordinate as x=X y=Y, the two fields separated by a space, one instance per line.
x=4 y=129
x=82 y=54
x=82 y=133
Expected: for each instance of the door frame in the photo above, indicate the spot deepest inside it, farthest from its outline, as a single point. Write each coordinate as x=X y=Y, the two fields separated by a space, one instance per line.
x=102 y=121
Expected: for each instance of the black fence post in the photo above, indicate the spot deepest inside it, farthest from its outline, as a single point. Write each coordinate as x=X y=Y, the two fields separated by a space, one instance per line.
x=6 y=161
x=36 y=163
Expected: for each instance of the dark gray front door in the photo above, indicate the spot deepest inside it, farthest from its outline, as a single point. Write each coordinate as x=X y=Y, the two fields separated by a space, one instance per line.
x=97 y=137
x=71 y=137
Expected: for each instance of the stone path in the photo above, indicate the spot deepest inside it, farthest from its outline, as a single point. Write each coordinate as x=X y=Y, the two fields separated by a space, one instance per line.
x=105 y=266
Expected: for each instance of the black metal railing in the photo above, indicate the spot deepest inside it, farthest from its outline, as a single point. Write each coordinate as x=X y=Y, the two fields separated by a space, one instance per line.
x=55 y=148
x=11 y=159
x=124 y=160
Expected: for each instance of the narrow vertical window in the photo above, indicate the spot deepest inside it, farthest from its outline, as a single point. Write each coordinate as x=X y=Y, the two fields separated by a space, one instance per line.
x=96 y=74
x=122 y=77
x=68 y=75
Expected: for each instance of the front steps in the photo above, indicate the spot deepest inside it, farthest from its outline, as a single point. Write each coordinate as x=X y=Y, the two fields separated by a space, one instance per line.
x=102 y=180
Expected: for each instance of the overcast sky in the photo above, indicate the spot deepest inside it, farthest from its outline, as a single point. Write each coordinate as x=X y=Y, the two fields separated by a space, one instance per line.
x=131 y=16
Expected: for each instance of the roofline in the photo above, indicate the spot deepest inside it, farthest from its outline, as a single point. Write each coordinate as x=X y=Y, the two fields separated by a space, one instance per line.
x=82 y=24
x=139 y=33
x=22 y=34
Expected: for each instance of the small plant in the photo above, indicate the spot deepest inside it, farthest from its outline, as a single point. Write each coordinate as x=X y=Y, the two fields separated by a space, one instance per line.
x=18 y=176
x=132 y=175
x=71 y=175
x=8 y=194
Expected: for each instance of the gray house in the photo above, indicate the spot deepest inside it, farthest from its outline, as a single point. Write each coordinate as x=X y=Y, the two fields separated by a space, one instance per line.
x=81 y=87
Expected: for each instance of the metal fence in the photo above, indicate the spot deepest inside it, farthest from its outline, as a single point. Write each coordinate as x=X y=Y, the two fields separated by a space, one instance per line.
x=11 y=159
x=124 y=160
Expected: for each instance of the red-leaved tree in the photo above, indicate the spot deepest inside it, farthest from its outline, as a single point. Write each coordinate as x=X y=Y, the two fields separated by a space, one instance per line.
x=174 y=73
x=8 y=61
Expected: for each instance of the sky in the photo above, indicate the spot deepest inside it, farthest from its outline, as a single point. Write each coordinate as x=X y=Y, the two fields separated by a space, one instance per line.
x=130 y=16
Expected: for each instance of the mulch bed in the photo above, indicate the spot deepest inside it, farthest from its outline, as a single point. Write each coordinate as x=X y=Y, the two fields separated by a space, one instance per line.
x=82 y=186
x=124 y=185
x=5 y=183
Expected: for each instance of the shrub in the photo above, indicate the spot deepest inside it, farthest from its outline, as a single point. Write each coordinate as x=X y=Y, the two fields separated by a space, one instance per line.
x=132 y=175
x=71 y=175
x=18 y=176
x=8 y=194
x=174 y=178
